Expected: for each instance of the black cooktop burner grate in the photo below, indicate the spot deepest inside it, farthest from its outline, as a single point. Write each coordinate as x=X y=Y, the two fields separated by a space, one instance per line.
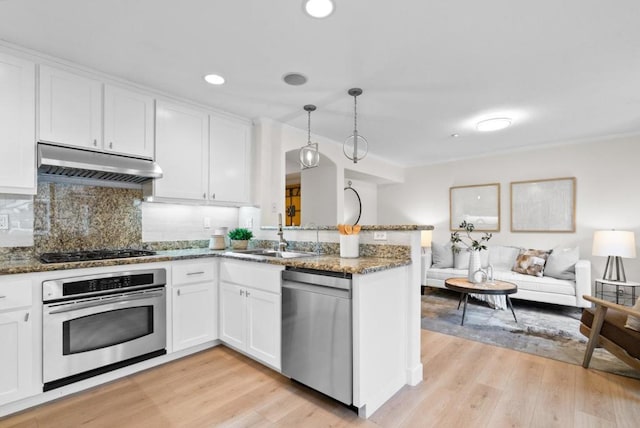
x=82 y=256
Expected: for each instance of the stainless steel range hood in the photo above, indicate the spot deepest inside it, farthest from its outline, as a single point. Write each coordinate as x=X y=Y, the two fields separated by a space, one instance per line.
x=57 y=161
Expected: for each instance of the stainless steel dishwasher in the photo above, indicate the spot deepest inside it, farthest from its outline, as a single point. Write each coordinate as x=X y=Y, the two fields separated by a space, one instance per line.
x=317 y=341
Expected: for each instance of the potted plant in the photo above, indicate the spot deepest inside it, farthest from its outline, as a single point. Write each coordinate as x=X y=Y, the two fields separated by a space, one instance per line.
x=473 y=246
x=240 y=238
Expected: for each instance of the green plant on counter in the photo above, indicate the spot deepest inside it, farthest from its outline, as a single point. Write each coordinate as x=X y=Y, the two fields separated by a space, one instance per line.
x=473 y=244
x=240 y=234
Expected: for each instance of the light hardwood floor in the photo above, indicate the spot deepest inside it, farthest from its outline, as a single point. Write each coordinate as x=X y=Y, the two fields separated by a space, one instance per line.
x=466 y=384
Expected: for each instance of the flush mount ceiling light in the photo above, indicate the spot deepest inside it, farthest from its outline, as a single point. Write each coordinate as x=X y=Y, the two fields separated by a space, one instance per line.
x=214 y=79
x=493 y=124
x=294 y=79
x=355 y=146
x=309 y=154
x=318 y=8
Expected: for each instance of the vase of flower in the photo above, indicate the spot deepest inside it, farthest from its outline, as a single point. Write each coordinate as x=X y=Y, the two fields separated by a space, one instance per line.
x=474 y=265
x=474 y=246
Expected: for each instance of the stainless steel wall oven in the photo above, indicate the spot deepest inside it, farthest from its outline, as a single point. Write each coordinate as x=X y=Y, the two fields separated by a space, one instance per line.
x=97 y=323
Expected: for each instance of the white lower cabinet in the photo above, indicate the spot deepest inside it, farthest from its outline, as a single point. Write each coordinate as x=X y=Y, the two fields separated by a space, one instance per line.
x=16 y=340
x=250 y=309
x=195 y=303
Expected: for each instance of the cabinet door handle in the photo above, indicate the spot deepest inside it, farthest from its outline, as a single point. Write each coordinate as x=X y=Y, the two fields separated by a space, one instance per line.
x=204 y=196
x=178 y=292
x=26 y=317
x=195 y=273
x=3 y=297
x=111 y=145
x=95 y=143
x=241 y=292
x=248 y=294
x=213 y=196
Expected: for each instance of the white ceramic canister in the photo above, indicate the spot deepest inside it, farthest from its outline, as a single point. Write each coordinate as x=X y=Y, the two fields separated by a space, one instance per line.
x=217 y=241
x=350 y=246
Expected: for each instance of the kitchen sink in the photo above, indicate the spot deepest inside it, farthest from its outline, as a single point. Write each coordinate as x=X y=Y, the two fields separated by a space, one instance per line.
x=261 y=252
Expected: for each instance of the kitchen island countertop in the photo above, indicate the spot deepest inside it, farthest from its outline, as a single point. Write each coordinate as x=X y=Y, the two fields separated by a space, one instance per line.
x=333 y=263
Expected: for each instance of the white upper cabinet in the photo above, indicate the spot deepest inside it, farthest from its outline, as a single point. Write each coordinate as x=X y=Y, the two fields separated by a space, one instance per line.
x=128 y=122
x=229 y=164
x=182 y=148
x=17 y=126
x=70 y=109
x=203 y=157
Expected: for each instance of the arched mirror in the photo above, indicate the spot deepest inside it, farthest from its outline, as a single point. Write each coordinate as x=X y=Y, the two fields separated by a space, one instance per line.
x=352 y=205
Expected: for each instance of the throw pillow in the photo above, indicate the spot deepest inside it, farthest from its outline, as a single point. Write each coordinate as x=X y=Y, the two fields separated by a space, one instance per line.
x=461 y=259
x=634 y=322
x=503 y=258
x=442 y=255
x=561 y=263
x=531 y=262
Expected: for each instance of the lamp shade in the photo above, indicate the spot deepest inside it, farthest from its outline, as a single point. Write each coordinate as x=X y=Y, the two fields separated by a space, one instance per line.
x=425 y=238
x=617 y=243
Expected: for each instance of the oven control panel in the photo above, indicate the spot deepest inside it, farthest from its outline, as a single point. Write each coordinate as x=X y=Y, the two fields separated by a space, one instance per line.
x=83 y=286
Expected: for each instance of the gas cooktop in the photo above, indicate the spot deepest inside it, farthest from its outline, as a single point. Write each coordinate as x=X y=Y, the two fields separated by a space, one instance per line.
x=82 y=256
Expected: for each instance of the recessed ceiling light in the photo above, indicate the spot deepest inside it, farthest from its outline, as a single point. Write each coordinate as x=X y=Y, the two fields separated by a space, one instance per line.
x=214 y=79
x=455 y=135
x=295 y=79
x=494 y=124
x=318 y=8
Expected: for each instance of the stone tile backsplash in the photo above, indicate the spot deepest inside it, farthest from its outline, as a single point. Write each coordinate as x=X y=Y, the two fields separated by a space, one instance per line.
x=70 y=217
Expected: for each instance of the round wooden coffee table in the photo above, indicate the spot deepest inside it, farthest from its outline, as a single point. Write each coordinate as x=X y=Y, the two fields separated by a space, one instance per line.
x=495 y=287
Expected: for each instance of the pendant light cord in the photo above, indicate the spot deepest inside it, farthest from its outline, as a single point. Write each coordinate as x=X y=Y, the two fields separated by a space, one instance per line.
x=309 y=127
x=355 y=114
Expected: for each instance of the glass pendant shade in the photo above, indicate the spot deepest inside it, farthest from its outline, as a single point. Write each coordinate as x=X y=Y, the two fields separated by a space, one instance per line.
x=309 y=154
x=355 y=147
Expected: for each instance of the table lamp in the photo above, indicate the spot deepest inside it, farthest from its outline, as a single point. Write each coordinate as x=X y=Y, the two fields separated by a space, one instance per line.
x=425 y=239
x=614 y=244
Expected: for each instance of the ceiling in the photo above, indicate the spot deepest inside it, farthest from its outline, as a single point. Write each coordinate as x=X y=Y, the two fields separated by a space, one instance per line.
x=564 y=71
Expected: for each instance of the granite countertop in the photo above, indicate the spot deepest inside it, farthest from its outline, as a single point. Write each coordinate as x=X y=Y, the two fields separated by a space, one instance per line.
x=333 y=263
x=373 y=227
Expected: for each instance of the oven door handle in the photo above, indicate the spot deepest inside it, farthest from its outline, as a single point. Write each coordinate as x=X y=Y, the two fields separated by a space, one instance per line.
x=93 y=304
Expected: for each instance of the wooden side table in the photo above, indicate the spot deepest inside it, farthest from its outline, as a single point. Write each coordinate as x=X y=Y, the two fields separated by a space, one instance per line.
x=604 y=290
x=464 y=287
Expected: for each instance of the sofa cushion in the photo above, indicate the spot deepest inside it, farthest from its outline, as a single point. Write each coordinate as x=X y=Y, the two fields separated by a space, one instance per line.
x=503 y=258
x=614 y=330
x=634 y=322
x=442 y=255
x=461 y=259
x=533 y=283
x=531 y=262
x=442 y=274
x=561 y=263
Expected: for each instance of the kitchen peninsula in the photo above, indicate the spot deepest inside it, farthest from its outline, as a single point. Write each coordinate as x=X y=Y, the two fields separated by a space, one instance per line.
x=386 y=308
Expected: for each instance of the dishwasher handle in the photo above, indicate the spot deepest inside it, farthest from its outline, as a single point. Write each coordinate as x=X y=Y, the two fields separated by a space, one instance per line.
x=318 y=289
x=317 y=279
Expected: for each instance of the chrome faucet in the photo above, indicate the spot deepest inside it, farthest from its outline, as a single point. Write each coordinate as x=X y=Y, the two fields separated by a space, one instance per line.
x=317 y=247
x=282 y=243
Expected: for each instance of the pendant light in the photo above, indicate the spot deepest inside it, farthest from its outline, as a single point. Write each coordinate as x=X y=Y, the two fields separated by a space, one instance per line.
x=309 y=154
x=355 y=146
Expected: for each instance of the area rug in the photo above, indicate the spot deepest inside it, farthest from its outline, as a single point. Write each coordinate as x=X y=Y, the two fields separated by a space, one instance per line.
x=547 y=330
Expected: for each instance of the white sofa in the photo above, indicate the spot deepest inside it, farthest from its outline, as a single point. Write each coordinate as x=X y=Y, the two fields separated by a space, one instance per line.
x=541 y=289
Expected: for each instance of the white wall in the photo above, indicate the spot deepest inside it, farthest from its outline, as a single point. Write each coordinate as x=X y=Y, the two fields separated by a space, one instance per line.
x=608 y=193
x=172 y=222
x=272 y=141
x=318 y=193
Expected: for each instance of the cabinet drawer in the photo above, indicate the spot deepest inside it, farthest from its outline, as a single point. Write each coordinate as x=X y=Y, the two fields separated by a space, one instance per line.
x=256 y=275
x=15 y=294
x=190 y=272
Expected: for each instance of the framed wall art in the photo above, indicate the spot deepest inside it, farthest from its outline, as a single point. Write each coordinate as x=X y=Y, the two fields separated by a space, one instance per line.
x=547 y=205
x=478 y=204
